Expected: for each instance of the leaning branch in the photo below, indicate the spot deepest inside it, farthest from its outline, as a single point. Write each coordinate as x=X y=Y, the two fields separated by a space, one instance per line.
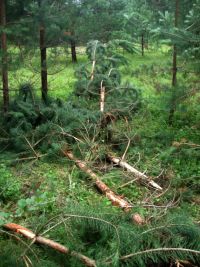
x=137 y=173
x=48 y=242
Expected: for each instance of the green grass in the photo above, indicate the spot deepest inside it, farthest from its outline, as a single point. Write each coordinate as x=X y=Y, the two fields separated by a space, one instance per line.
x=26 y=69
x=48 y=187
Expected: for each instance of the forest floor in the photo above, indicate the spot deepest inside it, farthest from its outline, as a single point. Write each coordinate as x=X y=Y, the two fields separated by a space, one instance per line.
x=37 y=190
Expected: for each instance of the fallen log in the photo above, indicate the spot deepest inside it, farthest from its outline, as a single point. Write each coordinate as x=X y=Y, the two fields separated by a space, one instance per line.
x=48 y=242
x=137 y=173
x=115 y=199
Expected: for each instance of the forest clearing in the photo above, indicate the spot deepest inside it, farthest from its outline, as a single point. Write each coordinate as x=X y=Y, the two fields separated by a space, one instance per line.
x=100 y=133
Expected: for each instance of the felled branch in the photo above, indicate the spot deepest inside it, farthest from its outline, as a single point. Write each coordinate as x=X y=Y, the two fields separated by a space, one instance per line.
x=48 y=242
x=137 y=173
x=115 y=199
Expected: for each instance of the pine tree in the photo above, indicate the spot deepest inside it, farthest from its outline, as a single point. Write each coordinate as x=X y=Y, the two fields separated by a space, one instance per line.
x=138 y=14
x=174 y=68
x=4 y=56
x=43 y=51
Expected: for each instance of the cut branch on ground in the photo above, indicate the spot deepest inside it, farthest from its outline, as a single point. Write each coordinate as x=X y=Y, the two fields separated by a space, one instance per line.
x=114 y=198
x=48 y=242
x=137 y=173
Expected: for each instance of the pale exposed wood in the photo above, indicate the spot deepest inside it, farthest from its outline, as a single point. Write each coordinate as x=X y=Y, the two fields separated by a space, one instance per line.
x=137 y=173
x=115 y=199
x=137 y=219
x=48 y=242
x=92 y=72
x=102 y=98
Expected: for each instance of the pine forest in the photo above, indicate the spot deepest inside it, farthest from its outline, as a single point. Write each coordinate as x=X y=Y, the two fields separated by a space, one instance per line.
x=100 y=133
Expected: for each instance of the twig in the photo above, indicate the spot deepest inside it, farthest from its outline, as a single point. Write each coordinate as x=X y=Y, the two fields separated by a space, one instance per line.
x=127 y=147
x=128 y=183
x=20 y=240
x=67 y=134
x=30 y=158
x=185 y=250
x=36 y=155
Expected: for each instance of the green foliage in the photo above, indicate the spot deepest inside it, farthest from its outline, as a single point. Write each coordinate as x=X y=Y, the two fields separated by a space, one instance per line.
x=103 y=71
x=105 y=236
x=39 y=202
x=9 y=186
x=45 y=125
x=58 y=202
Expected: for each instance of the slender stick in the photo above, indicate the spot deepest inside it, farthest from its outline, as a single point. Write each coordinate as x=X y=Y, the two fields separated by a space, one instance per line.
x=48 y=242
x=160 y=250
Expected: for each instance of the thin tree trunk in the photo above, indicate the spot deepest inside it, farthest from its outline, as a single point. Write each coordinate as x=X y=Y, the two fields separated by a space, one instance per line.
x=48 y=242
x=137 y=173
x=142 y=43
x=43 y=58
x=174 y=66
x=4 y=57
x=73 y=51
x=43 y=55
x=147 y=41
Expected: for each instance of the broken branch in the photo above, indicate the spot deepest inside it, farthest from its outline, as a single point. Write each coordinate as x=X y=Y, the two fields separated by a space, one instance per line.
x=102 y=97
x=115 y=199
x=137 y=173
x=48 y=242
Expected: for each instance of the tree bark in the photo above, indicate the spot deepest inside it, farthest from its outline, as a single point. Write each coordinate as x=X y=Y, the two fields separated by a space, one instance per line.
x=43 y=58
x=137 y=173
x=142 y=43
x=48 y=242
x=73 y=51
x=43 y=55
x=4 y=57
x=174 y=75
x=174 y=66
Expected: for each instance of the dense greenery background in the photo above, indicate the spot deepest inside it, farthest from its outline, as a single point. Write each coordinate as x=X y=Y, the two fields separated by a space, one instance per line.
x=148 y=118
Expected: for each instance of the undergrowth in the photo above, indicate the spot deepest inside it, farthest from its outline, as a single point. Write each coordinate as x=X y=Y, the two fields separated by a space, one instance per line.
x=45 y=192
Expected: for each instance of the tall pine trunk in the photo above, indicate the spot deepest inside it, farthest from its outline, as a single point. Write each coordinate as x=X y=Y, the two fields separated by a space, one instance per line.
x=4 y=57
x=73 y=51
x=174 y=68
x=43 y=55
x=142 y=43
x=43 y=59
